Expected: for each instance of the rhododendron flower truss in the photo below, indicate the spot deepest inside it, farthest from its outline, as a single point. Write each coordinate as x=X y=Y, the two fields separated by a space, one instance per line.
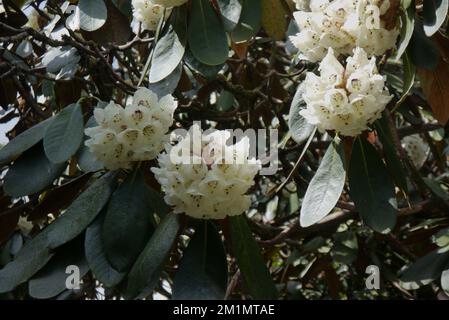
x=210 y=182
x=343 y=25
x=134 y=133
x=347 y=98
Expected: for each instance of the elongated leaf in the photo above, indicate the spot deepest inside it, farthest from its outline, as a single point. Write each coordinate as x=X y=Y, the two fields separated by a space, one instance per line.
x=428 y=267
x=64 y=135
x=93 y=14
x=203 y=271
x=434 y=14
x=254 y=271
x=209 y=72
x=170 y=47
x=51 y=280
x=230 y=11
x=38 y=251
x=23 y=142
x=250 y=21
x=33 y=256
x=8 y=224
x=408 y=25
x=394 y=164
x=81 y=212
x=326 y=186
x=35 y=169
x=206 y=34
x=145 y=273
x=423 y=52
x=299 y=127
x=96 y=256
x=371 y=188
x=409 y=74
x=127 y=225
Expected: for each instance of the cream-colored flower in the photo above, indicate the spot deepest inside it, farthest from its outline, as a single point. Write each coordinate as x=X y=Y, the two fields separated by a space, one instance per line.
x=200 y=181
x=134 y=133
x=345 y=99
x=148 y=13
x=343 y=25
x=417 y=149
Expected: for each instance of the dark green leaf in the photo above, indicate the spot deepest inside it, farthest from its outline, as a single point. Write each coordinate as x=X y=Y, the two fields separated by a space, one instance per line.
x=423 y=52
x=31 y=173
x=170 y=47
x=371 y=188
x=250 y=21
x=252 y=266
x=37 y=252
x=345 y=249
x=203 y=271
x=428 y=267
x=33 y=256
x=209 y=72
x=64 y=135
x=96 y=257
x=409 y=74
x=207 y=38
x=326 y=186
x=81 y=212
x=225 y=101
x=394 y=163
x=127 y=225
x=23 y=142
x=145 y=273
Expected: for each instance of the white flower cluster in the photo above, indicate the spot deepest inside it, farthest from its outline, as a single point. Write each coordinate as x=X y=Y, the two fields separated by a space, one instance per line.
x=134 y=133
x=416 y=148
x=202 y=183
x=342 y=25
x=150 y=12
x=343 y=99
